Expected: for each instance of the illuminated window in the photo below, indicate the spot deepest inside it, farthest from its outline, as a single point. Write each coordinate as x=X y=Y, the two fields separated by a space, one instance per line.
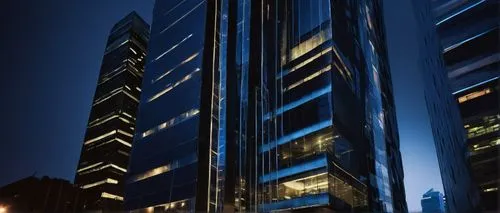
x=188 y=59
x=89 y=167
x=309 y=44
x=100 y=137
x=107 y=96
x=172 y=122
x=85 y=171
x=98 y=122
x=178 y=205
x=111 y=196
x=489 y=124
x=108 y=180
x=153 y=172
x=301 y=64
x=187 y=77
x=133 y=50
x=187 y=160
x=308 y=78
x=491 y=189
x=473 y=95
x=313 y=184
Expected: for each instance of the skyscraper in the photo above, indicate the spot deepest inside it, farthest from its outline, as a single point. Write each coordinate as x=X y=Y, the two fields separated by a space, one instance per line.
x=177 y=161
x=108 y=139
x=449 y=138
x=469 y=32
x=257 y=105
x=324 y=134
x=432 y=202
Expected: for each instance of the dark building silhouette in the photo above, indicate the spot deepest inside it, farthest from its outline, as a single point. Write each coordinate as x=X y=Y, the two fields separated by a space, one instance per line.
x=257 y=105
x=480 y=109
x=459 y=188
x=44 y=194
x=470 y=33
x=108 y=139
x=432 y=202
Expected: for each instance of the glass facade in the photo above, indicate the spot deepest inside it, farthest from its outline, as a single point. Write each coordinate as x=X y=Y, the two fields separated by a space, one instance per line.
x=325 y=134
x=432 y=202
x=178 y=160
x=260 y=106
x=108 y=139
x=449 y=138
x=469 y=33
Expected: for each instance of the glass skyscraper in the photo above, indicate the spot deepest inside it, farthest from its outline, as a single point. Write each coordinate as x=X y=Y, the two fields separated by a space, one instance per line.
x=178 y=159
x=449 y=138
x=470 y=33
x=108 y=139
x=432 y=202
x=260 y=106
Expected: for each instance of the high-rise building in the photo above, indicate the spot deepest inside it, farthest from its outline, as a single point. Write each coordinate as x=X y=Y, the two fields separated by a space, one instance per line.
x=433 y=202
x=177 y=161
x=325 y=135
x=257 y=105
x=449 y=138
x=108 y=139
x=480 y=109
x=470 y=33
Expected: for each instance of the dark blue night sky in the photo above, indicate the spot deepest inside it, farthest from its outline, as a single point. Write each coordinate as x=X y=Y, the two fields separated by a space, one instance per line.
x=51 y=52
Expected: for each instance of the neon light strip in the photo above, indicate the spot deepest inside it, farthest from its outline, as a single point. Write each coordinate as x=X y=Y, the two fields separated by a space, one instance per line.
x=173 y=8
x=182 y=17
x=295 y=135
x=475 y=85
x=460 y=12
x=173 y=47
x=466 y=40
x=302 y=100
x=297 y=169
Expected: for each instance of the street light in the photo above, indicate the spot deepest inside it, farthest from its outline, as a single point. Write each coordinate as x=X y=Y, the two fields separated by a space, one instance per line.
x=3 y=209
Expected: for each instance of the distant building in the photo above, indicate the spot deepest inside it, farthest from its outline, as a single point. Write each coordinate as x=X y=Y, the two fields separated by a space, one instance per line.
x=433 y=202
x=470 y=32
x=108 y=139
x=45 y=194
x=461 y=192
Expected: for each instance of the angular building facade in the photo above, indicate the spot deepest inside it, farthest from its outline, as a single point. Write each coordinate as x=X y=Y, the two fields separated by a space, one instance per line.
x=108 y=139
x=449 y=138
x=470 y=33
x=261 y=106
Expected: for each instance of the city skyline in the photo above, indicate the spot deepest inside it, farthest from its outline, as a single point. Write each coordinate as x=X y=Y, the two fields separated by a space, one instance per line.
x=84 y=110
